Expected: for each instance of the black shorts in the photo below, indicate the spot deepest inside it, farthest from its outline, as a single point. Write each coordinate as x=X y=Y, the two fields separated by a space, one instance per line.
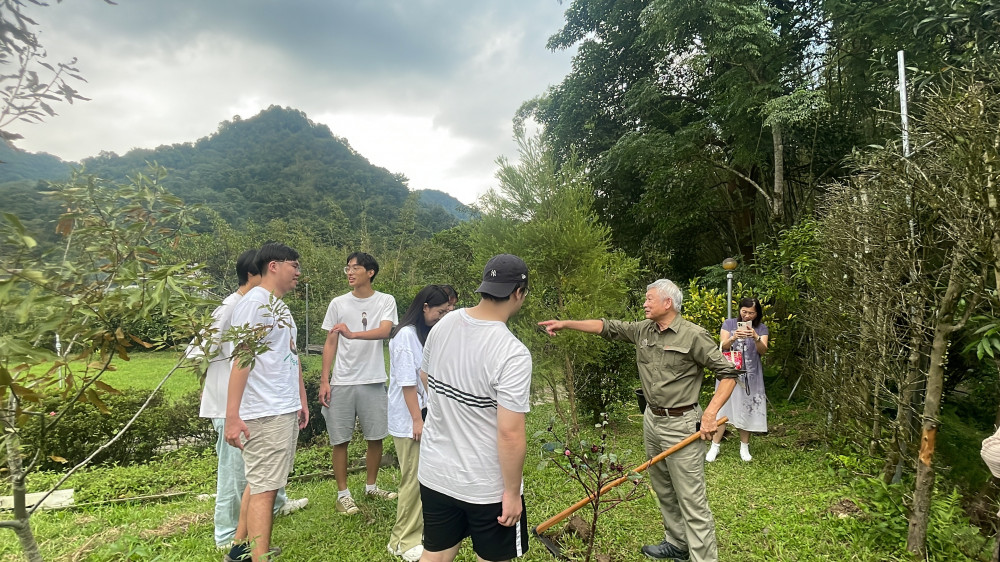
x=447 y=521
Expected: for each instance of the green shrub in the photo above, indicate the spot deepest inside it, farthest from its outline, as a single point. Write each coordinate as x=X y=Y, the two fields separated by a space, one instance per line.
x=85 y=428
x=609 y=385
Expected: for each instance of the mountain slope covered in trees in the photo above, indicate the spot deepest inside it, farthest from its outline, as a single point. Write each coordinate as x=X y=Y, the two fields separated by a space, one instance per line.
x=275 y=165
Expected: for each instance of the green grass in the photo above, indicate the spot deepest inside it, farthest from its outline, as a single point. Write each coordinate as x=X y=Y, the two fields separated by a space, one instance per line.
x=785 y=505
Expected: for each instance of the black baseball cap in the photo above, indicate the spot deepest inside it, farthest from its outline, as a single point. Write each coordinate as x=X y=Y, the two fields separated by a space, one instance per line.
x=502 y=274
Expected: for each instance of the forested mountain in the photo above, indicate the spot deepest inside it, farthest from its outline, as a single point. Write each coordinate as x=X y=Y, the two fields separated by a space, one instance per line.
x=18 y=165
x=275 y=165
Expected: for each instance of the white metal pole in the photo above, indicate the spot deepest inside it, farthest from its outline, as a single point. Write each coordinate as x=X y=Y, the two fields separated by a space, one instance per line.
x=904 y=114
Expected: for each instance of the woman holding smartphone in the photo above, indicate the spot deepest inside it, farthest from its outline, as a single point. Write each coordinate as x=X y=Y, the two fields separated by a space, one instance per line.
x=406 y=422
x=747 y=407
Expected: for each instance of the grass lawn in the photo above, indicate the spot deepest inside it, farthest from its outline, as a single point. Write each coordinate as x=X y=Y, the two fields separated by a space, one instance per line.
x=787 y=504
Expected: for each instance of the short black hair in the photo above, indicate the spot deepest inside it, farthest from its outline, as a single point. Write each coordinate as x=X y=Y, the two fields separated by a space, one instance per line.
x=274 y=251
x=521 y=285
x=751 y=302
x=365 y=260
x=246 y=265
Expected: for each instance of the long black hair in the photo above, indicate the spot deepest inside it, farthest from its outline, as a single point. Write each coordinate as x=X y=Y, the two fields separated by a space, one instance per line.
x=431 y=295
x=751 y=302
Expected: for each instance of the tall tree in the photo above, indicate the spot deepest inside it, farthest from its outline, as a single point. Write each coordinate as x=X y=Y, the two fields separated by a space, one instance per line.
x=87 y=296
x=545 y=216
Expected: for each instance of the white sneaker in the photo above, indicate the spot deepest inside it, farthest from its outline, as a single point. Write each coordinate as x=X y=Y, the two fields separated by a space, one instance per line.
x=414 y=554
x=745 y=453
x=291 y=506
x=713 y=452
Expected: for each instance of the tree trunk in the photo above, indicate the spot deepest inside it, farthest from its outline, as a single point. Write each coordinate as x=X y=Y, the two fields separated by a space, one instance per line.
x=904 y=409
x=20 y=524
x=777 y=202
x=571 y=396
x=916 y=538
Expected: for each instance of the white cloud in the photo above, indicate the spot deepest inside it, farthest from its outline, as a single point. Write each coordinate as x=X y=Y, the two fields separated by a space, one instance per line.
x=423 y=88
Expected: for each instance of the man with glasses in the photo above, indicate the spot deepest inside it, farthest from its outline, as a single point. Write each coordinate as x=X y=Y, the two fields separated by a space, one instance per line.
x=671 y=354
x=352 y=381
x=266 y=402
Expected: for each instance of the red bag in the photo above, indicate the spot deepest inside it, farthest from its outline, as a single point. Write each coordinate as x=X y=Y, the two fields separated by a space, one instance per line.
x=734 y=357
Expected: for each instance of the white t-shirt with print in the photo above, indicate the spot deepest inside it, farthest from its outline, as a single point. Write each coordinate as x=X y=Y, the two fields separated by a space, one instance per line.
x=405 y=355
x=359 y=361
x=273 y=385
x=472 y=366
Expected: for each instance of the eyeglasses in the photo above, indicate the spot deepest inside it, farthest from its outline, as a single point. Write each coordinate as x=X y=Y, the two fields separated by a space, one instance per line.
x=354 y=269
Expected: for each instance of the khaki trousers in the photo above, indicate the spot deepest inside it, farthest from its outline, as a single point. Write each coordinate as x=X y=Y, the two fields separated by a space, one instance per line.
x=409 y=528
x=679 y=483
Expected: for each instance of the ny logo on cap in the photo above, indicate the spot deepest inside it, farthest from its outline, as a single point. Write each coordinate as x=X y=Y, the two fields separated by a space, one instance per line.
x=493 y=273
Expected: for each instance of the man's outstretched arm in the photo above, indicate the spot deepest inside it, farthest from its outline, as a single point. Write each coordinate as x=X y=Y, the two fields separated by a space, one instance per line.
x=588 y=326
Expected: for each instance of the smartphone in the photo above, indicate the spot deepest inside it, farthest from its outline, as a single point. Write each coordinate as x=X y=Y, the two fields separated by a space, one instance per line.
x=744 y=325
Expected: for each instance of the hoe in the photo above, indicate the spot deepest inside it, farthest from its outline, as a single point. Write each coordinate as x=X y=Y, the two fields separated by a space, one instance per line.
x=541 y=528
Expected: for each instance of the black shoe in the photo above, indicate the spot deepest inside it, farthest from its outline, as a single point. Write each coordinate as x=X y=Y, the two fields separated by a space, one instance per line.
x=664 y=551
x=245 y=555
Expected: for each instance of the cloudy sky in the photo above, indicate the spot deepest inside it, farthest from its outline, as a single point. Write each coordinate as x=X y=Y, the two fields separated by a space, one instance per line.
x=426 y=88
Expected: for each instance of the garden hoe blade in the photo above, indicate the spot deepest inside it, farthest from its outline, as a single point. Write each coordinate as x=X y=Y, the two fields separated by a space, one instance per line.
x=544 y=526
x=549 y=544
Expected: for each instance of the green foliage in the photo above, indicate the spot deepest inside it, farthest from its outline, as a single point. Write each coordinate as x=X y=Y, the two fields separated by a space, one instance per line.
x=185 y=469
x=85 y=427
x=608 y=384
x=20 y=166
x=705 y=307
x=95 y=293
x=545 y=217
x=881 y=525
x=281 y=165
x=593 y=466
x=781 y=507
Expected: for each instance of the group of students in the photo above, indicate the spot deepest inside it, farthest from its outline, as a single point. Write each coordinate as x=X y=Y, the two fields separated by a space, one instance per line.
x=455 y=406
x=460 y=465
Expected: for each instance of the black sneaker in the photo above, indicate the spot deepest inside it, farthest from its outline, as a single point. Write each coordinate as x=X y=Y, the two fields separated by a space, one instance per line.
x=271 y=553
x=664 y=551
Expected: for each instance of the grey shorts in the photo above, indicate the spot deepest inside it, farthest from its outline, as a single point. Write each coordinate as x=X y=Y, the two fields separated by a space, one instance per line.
x=365 y=402
x=269 y=454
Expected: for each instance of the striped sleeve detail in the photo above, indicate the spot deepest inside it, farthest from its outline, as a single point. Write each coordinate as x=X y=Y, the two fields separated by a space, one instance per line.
x=460 y=396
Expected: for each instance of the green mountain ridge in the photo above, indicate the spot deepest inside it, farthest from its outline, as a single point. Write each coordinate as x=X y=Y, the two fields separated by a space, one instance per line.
x=275 y=165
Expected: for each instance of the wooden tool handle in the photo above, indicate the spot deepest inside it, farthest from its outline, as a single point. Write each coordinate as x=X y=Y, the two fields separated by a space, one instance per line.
x=607 y=487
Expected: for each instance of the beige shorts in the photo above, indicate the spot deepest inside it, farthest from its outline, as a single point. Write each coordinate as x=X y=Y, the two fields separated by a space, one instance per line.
x=269 y=454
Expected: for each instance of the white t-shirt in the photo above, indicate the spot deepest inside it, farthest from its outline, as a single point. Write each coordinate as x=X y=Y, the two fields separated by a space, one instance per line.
x=213 y=396
x=472 y=366
x=359 y=361
x=273 y=385
x=405 y=355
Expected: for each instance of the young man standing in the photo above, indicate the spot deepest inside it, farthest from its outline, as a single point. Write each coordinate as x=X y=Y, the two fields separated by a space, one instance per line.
x=231 y=478
x=473 y=445
x=357 y=321
x=266 y=403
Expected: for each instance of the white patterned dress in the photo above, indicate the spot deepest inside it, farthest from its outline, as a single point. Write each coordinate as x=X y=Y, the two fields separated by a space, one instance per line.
x=747 y=407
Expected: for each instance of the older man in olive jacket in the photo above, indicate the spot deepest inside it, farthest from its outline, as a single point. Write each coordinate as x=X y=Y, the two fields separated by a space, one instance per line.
x=671 y=354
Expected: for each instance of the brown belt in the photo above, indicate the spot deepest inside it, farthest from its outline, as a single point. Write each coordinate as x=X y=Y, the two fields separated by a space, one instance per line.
x=672 y=412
